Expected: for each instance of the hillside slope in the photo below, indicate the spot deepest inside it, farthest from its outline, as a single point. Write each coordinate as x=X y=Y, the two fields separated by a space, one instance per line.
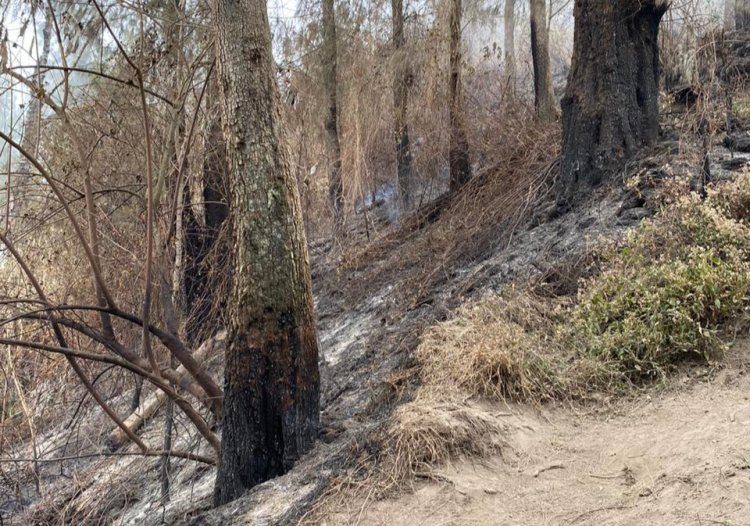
x=373 y=303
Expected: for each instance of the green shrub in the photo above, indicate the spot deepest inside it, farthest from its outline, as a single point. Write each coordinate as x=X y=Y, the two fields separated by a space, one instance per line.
x=665 y=295
x=644 y=319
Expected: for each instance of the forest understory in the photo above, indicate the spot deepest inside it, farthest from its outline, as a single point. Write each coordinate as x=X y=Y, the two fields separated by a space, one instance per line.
x=672 y=448
x=512 y=341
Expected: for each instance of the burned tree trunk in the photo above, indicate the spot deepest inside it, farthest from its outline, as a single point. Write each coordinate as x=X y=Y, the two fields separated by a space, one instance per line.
x=272 y=385
x=401 y=83
x=458 y=156
x=204 y=247
x=335 y=184
x=611 y=105
x=544 y=97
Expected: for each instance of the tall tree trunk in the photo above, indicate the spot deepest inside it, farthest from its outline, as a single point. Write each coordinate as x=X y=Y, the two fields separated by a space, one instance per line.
x=544 y=97
x=23 y=190
x=401 y=83
x=458 y=156
x=509 y=37
x=611 y=105
x=729 y=10
x=742 y=14
x=271 y=378
x=330 y=82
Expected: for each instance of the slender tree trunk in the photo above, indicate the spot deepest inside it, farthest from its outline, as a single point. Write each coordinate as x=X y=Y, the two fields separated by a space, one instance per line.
x=170 y=319
x=458 y=156
x=330 y=82
x=544 y=97
x=729 y=11
x=23 y=189
x=742 y=14
x=272 y=383
x=611 y=105
x=509 y=26
x=31 y=126
x=401 y=84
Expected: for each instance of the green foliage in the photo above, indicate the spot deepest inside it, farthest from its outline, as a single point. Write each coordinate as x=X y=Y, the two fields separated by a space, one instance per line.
x=647 y=317
x=667 y=293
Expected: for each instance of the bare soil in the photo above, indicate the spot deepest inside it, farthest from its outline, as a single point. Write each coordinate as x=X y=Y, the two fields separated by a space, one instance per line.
x=679 y=456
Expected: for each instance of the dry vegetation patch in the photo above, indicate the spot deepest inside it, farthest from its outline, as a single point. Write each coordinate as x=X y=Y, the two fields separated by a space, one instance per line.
x=669 y=293
x=496 y=348
x=433 y=429
x=459 y=228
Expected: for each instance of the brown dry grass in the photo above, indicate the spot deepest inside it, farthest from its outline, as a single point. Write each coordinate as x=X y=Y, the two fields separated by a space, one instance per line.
x=435 y=428
x=459 y=228
x=497 y=348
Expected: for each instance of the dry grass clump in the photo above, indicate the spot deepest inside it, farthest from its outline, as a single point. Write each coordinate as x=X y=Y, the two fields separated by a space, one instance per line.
x=496 y=348
x=433 y=429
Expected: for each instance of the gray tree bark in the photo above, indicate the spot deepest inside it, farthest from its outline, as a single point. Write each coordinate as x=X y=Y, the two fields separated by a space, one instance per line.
x=742 y=14
x=729 y=14
x=22 y=190
x=330 y=83
x=544 y=97
x=272 y=383
x=401 y=84
x=509 y=38
x=458 y=155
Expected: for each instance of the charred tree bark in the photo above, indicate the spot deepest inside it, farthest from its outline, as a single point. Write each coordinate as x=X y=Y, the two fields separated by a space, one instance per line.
x=205 y=250
x=272 y=383
x=509 y=37
x=544 y=97
x=401 y=84
x=458 y=156
x=611 y=105
x=330 y=83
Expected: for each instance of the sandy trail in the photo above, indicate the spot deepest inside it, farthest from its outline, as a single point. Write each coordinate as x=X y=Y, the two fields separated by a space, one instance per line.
x=679 y=457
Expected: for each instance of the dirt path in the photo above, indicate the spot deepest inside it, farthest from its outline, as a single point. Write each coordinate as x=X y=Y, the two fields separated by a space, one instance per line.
x=680 y=457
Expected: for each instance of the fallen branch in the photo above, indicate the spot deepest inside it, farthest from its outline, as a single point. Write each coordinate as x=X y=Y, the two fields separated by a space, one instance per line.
x=158 y=381
x=548 y=468
x=177 y=454
x=118 y=437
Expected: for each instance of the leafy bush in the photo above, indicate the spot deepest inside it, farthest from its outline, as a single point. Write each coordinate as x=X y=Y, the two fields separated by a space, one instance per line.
x=644 y=318
x=666 y=294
